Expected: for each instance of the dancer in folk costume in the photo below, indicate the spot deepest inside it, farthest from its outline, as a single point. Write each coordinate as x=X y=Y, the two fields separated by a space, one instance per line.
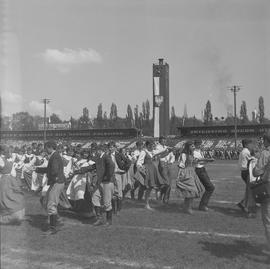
x=250 y=203
x=202 y=174
x=262 y=169
x=12 y=208
x=165 y=159
x=127 y=167
x=121 y=164
x=77 y=187
x=29 y=160
x=104 y=189
x=136 y=183
x=56 y=181
x=188 y=184
x=38 y=179
x=244 y=160
x=147 y=172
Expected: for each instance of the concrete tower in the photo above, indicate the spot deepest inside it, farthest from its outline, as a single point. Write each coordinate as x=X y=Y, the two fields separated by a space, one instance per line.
x=161 y=105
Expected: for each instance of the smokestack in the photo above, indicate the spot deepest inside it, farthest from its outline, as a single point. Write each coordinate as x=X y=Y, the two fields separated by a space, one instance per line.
x=160 y=60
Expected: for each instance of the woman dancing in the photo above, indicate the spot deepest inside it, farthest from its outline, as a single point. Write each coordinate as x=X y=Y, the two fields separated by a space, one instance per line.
x=12 y=208
x=188 y=184
x=147 y=173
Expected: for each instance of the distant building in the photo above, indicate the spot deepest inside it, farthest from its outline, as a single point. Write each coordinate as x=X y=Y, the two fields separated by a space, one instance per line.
x=161 y=105
x=55 y=126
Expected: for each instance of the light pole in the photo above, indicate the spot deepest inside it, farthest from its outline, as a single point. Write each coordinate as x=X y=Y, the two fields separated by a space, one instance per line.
x=235 y=89
x=45 y=102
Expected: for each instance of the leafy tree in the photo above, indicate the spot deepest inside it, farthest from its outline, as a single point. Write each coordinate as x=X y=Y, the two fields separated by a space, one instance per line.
x=136 y=115
x=55 y=118
x=99 y=112
x=243 y=112
x=173 y=121
x=22 y=121
x=129 y=116
x=261 y=109
x=208 y=117
x=144 y=110
x=147 y=108
x=113 y=113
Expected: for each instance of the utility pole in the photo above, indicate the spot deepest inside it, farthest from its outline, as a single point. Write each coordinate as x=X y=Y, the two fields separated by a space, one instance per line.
x=235 y=89
x=45 y=102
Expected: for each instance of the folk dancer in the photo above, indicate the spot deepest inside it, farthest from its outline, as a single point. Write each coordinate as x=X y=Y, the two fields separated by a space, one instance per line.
x=203 y=175
x=28 y=160
x=104 y=189
x=38 y=179
x=165 y=160
x=262 y=169
x=56 y=183
x=188 y=184
x=147 y=173
x=244 y=159
x=121 y=167
x=136 y=183
x=77 y=187
x=12 y=208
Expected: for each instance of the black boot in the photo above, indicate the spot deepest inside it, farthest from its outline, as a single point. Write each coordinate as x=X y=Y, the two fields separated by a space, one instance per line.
x=119 y=205
x=132 y=194
x=167 y=195
x=109 y=218
x=98 y=216
x=141 y=192
x=52 y=227
x=114 y=206
x=126 y=190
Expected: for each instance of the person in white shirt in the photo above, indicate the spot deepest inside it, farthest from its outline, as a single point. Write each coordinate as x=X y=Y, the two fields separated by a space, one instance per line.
x=244 y=159
x=203 y=175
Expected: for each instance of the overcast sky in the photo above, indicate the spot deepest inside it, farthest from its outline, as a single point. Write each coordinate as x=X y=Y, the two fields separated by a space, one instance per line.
x=84 y=52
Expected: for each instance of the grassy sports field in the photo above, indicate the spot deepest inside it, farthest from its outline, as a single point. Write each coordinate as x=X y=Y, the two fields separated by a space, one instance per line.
x=165 y=238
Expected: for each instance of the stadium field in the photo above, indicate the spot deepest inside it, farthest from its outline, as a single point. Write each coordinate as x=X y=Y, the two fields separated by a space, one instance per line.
x=164 y=238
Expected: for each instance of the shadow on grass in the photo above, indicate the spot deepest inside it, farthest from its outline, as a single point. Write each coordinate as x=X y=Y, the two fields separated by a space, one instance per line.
x=236 y=249
x=170 y=208
x=38 y=221
x=229 y=211
x=129 y=203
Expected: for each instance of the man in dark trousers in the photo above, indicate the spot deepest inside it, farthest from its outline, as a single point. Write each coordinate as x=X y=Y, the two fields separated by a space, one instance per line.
x=56 y=181
x=203 y=175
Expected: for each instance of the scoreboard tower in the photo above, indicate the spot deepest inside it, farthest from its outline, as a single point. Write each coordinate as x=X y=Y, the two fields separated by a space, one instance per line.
x=161 y=105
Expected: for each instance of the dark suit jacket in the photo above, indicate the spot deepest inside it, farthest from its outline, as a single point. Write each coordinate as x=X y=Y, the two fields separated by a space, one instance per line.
x=54 y=170
x=105 y=169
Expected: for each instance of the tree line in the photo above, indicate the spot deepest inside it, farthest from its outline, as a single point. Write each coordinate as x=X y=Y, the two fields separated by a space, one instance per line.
x=136 y=117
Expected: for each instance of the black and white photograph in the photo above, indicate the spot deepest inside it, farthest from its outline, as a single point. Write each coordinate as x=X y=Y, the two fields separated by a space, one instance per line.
x=134 y=134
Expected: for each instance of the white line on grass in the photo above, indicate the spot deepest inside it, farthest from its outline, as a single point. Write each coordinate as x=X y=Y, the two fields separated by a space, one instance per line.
x=175 y=231
x=212 y=201
x=180 y=232
x=76 y=258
